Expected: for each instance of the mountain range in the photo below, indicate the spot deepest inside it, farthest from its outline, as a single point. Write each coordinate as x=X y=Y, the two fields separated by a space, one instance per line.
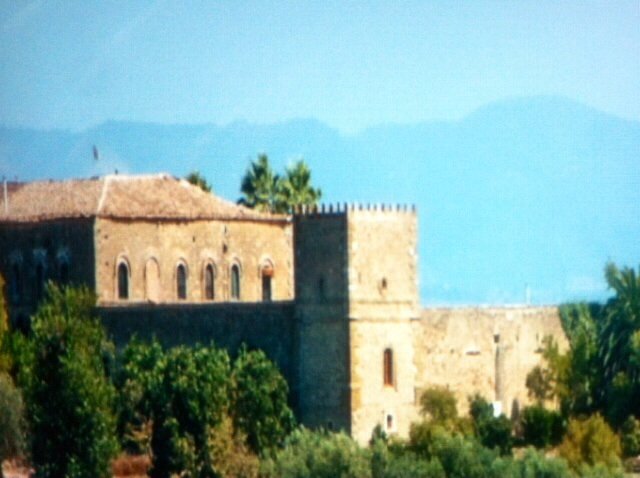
x=525 y=199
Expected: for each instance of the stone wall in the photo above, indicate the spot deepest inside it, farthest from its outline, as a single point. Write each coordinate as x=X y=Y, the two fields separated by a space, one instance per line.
x=165 y=244
x=269 y=327
x=321 y=309
x=32 y=253
x=383 y=298
x=485 y=350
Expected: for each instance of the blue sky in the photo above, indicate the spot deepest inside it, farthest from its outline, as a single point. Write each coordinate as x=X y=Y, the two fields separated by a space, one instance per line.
x=349 y=64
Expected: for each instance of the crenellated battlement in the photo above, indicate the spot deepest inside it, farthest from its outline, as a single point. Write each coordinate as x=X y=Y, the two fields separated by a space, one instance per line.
x=344 y=208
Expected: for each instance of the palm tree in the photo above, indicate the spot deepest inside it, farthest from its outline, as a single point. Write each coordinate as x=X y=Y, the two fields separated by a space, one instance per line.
x=260 y=186
x=620 y=333
x=296 y=189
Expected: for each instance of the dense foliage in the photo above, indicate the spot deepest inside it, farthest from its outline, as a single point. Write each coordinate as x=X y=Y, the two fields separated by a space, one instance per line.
x=12 y=427
x=309 y=454
x=591 y=442
x=600 y=373
x=541 y=428
x=259 y=403
x=198 y=413
x=69 y=398
x=492 y=432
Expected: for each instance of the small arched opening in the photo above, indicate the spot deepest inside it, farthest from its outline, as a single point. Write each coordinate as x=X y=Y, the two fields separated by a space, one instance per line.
x=388 y=367
x=267 y=281
x=181 y=281
x=123 y=280
x=235 y=282
x=209 y=282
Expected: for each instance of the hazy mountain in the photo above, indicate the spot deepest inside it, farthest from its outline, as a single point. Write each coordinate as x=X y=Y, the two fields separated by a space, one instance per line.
x=539 y=191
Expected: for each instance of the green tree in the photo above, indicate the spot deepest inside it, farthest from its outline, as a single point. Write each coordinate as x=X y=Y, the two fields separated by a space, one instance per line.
x=295 y=188
x=260 y=409
x=188 y=401
x=493 y=432
x=69 y=398
x=197 y=179
x=541 y=427
x=12 y=426
x=439 y=404
x=139 y=378
x=260 y=186
x=590 y=442
x=630 y=437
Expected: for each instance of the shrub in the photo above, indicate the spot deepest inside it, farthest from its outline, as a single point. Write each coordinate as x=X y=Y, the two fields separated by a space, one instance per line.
x=69 y=400
x=462 y=457
x=229 y=453
x=630 y=437
x=423 y=436
x=439 y=404
x=12 y=429
x=318 y=454
x=410 y=465
x=541 y=427
x=139 y=378
x=493 y=432
x=535 y=465
x=590 y=442
x=259 y=408
x=600 y=471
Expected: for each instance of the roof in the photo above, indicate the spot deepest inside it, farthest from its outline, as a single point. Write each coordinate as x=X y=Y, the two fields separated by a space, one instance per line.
x=159 y=196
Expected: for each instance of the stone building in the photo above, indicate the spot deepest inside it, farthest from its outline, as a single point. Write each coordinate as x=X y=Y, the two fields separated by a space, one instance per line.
x=331 y=295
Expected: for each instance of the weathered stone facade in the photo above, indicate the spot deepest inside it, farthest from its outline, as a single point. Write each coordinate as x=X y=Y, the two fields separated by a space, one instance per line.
x=330 y=295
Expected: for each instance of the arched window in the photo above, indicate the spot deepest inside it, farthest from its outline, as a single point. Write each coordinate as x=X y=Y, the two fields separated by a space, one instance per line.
x=123 y=280
x=40 y=278
x=209 y=282
x=235 y=282
x=181 y=281
x=388 y=367
x=267 y=276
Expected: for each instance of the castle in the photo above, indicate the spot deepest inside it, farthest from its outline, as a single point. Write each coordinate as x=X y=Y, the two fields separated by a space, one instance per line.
x=330 y=293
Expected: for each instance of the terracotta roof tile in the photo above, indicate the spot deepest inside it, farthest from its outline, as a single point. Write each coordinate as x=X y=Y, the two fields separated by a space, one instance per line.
x=119 y=196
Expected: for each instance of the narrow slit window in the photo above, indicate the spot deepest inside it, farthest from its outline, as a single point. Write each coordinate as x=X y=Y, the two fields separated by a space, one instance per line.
x=235 y=282
x=181 y=281
x=123 y=281
x=267 y=276
x=388 y=367
x=209 y=282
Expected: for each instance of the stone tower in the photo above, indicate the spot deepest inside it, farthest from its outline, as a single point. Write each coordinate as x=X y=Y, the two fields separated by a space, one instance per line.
x=356 y=296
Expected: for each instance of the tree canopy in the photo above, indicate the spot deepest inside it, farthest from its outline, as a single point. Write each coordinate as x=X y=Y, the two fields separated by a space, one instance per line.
x=260 y=186
x=68 y=394
x=267 y=191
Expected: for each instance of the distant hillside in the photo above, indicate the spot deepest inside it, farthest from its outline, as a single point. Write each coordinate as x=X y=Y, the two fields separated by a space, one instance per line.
x=538 y=191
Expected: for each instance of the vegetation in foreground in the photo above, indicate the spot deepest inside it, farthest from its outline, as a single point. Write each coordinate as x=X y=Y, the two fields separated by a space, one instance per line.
x=70 y=403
